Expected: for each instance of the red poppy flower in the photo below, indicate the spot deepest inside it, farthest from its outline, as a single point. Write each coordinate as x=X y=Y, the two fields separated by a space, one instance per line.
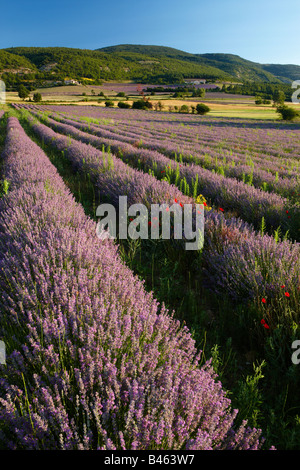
x=263 y=300
x=220 y=208
x=264 y=323
x=283 y=286
x=286 y=294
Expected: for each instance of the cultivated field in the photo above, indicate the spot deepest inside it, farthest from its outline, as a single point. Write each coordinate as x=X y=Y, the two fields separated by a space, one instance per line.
x=221 y=104
x=141 y=344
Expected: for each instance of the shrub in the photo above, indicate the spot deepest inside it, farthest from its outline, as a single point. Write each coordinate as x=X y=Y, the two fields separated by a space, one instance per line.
x=141 y=104
x=287 y=113
x=202 y=108
x=200 y=92
x=109 y=103
x=122 y=104
x=37 y=97
x=184 y=108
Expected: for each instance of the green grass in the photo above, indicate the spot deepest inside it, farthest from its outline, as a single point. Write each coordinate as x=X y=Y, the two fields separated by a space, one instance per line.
x=232 y=112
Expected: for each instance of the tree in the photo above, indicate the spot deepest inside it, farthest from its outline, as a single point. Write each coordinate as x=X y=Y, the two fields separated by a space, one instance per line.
x=202 y=108
x=287 y=113
x=23 y=92
x=109 y=104
x=37 y=97
x=278 y=97
x=200 y=93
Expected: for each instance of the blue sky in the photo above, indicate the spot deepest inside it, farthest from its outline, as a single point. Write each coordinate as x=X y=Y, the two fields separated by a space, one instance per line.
x=265 y=31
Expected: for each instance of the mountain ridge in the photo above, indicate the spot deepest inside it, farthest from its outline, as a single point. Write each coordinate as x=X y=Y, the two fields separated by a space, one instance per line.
x=143 y=63
x=278 y=69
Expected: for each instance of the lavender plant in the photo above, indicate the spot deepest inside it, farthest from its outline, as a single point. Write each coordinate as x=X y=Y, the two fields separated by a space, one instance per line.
x=93 y=362
x=235 y=258
x=246 y=201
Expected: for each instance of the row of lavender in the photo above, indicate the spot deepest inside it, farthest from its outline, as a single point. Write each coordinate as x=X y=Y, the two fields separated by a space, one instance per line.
x=247 y=202
x=92 y=361
x=224 y=141
x=275 y=140
x=269 y=172
x=262 y=172
x=261 y=169
x=235 y=259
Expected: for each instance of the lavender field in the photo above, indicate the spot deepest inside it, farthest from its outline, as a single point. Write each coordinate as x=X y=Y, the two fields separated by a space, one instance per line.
x=143 y=345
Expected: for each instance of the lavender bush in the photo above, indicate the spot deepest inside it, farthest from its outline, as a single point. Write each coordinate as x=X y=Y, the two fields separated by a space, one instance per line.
x=248 y=202
x=93 y=362
x=235 y=258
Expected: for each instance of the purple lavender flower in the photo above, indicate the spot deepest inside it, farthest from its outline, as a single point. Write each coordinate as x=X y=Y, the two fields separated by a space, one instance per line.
x=93 y=361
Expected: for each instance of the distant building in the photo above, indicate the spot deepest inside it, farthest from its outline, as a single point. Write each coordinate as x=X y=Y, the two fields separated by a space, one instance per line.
x=194 y=81
x=71 y=82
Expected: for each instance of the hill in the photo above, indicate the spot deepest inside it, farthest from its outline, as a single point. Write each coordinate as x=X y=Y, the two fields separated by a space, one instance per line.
x=140 y=63
x=232 y=65
x=284 y=72
x=240 y=68
x=57 y=63
x=15 y=63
